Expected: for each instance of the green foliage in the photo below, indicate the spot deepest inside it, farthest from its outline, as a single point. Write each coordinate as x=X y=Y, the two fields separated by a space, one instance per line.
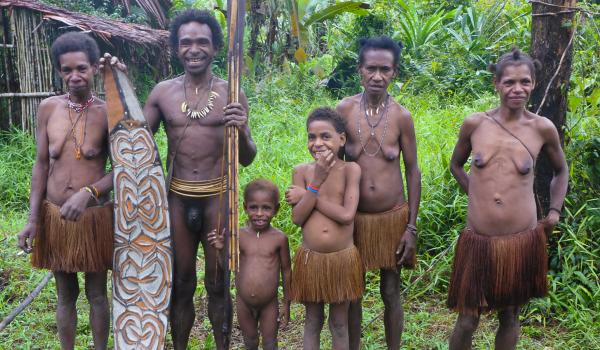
x=16 y=161
x=304 y=13
x=217 y=6
x=418 y=31
x=332 y=11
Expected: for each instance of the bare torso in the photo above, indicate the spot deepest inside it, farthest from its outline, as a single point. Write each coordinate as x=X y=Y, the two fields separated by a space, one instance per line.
x=260 y=266
x=319 y=232
x=199 y=147
x=501 y=198
x=66 y=174
x=381 y=185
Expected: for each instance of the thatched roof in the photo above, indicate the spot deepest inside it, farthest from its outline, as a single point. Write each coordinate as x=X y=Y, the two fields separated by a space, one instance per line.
x=105 y=29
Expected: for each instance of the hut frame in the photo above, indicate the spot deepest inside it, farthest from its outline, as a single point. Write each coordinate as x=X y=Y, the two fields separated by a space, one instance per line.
x=27 y=76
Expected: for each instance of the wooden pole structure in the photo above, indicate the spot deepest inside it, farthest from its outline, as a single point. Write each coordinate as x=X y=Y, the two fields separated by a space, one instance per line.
x=235 y=24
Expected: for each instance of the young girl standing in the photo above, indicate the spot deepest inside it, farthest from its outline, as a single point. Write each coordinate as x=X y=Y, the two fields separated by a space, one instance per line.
x=327 y=267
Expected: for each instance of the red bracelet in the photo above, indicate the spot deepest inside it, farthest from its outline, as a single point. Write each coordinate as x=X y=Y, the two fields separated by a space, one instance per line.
x=312 y=188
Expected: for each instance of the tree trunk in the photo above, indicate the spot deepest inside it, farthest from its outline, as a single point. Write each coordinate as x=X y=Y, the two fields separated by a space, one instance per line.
x=552 y=30
x=257 y=21
x=272 y=31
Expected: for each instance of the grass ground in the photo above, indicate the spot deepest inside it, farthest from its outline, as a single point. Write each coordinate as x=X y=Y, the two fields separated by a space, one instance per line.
x=278 y=129
x=428 y=323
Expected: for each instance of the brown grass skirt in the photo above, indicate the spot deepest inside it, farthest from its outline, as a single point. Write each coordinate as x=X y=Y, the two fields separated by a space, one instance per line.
x=327 y=277
x=377 y=235
x=85 y=245
x=496 y=272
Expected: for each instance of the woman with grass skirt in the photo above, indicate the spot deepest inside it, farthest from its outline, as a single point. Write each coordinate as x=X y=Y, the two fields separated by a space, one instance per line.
x=379 y=132
x=70 y=222
x=500 y=260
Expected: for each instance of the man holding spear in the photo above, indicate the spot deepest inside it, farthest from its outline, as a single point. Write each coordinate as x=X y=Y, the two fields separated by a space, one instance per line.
x=201 y=126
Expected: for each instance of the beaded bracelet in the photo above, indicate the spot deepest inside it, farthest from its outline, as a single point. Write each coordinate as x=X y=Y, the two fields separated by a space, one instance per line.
x=312 y=189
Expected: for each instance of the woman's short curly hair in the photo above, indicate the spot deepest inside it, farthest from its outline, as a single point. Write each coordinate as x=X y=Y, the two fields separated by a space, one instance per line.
x=74 y=42
x=199 y=16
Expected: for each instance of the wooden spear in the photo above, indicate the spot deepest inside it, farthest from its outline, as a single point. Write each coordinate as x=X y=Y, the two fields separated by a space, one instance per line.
x=235 y=24
x=236 y=13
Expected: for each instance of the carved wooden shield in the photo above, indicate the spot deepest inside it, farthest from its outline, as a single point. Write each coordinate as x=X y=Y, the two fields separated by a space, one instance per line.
x=142 y=261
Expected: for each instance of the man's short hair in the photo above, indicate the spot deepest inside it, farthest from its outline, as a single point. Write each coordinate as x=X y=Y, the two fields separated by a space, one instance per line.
x=74 y=42
x=379 y=43
x=199 y=16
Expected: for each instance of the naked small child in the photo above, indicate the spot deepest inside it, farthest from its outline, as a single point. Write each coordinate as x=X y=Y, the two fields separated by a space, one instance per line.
x=264 y=255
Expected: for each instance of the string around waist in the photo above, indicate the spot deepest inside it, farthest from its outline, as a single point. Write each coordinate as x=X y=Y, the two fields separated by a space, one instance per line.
x=199 y=189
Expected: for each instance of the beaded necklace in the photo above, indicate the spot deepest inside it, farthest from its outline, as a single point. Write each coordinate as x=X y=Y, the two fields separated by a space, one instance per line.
x=82 y=110
x=79 y=107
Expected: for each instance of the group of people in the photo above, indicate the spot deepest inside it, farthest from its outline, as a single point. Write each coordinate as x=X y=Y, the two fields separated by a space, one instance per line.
x=350 y=201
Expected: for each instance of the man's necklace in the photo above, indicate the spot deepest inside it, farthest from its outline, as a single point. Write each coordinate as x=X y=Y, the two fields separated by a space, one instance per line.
x=194 y=113
x=382 y=115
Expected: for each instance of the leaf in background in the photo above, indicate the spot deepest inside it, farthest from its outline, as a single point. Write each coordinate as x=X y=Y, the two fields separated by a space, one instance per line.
x=355 y=7
x=300 y=55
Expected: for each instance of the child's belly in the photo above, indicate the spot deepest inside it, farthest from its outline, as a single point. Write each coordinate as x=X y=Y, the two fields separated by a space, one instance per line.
x=255 y=284
x=324 y=235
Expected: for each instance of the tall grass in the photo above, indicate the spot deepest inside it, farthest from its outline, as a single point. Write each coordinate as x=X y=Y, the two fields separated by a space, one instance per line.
x=17 y=151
